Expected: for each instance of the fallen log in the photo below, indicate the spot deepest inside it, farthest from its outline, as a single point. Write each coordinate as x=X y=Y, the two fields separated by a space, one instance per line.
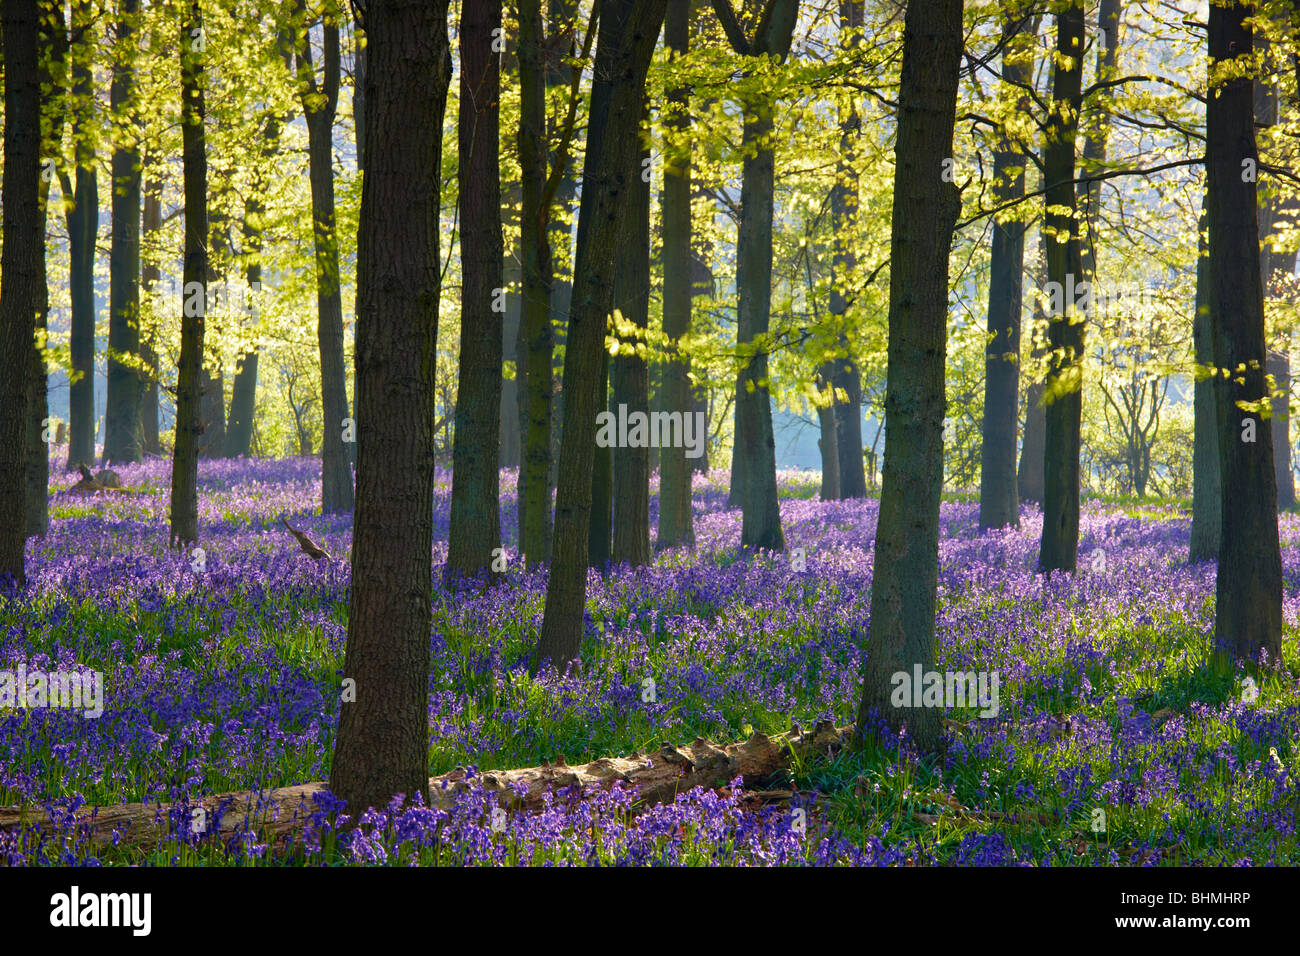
x=657 y=778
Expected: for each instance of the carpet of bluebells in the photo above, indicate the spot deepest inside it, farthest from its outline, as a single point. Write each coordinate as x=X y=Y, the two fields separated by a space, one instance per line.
x=226 y=678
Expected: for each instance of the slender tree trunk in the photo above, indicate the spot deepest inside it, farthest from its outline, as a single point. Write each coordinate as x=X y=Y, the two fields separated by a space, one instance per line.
x=243 y=390
x=676 y=519
x=829 y=442
x=382 y=745
x=999 y=499
x=631 y=376
x=83 y=226
x=1029 y=476
x=535 y=328
x=1248 y=608
x=122 y=407
x=1064 y=393
x=151 y=226
x=20 y=266
x=53 y=45
x=904 y=589
x=475 y=530
x=1207 y=506
x=628 y=32
x=851 y=477
x=754 y=440
x=185 y=454
x=600 y=528
x=319 y=102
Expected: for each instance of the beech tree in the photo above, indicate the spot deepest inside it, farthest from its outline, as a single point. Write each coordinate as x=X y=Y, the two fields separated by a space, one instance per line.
x=906 y=570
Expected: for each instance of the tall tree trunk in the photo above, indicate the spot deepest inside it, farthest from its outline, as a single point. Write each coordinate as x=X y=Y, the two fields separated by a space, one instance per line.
x=319 y=101
x=535 y=326
x=83 y=226
x=382 y=745
x=629 y=30
x=999 y=498
x=185 y=454
x=475 y=530
x=53 y=45
x=676 y=519
x=151 y=226
x=20 y=256
x=122 y=406
x=904 y=589
x=845 y=376
x=829 y=442
x=1207 y=506
x=755 y=442
x=1248 y=608
x=1064 y=391
x=630 y=375
x=600 y=527
x=1029 y=476
x=243 y=390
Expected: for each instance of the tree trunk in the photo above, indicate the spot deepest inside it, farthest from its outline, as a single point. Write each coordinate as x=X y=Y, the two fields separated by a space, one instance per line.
x=1064 y=390
x=1029 y=476
x=535 y=328
x=185 y=454
x=676 y=519
x=1207 y=506
x=53 y=45
x=631 y=376
x=20 y=256
x=150 y=225
x=851 y=476
x=755 y=455
x=122 y=407
x=319 y=102
x=627 y=36
x=243 y=390
x=601 y=526
x=1248 y=608
x=475 y=529
x=904 y=590
x=999 y=500
x=829 y=442
x=382 y=745
x=83 y=226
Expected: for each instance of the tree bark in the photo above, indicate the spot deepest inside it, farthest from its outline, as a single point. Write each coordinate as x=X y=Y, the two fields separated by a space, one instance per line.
x=601 y=527
x=754 y=441
x=1248 y=608
x=1207 y=507
x=537 y=338
x=150 y=225
x=1029 y=476
x=1064 y=390
x=851 y=476
x=319 y=102
x=382 y=746
x=20 y=257
x=630 y=374
x=185 y=460
x=53 y=46
x=83 y=226
x=829 y=442
x=122 y=406
x=475 y=525
x=676 y=518
x=999 y=499
x=628 y=32
x=904 y=589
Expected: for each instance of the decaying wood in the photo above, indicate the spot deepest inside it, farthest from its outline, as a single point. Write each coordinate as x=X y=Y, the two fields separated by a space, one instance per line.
x=657 y=778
